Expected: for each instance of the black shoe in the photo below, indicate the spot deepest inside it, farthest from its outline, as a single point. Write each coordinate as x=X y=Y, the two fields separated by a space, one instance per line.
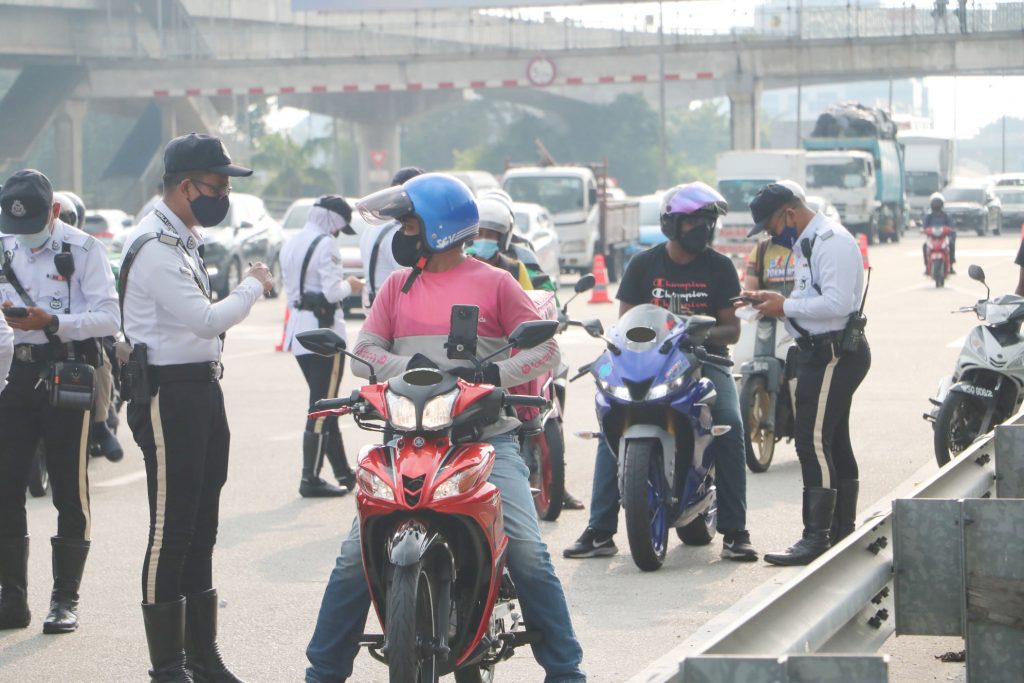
x=165 y=634
x=571 y=502
x=952 y=270
x=14 y=611
x=819 y=505
x=736 y=547
x=106 y=442
x=68 y=564
x=592 y=543
x=347 y=480
x=202 y=655
x=318 y=488
x=844 y=519
x=312 y=486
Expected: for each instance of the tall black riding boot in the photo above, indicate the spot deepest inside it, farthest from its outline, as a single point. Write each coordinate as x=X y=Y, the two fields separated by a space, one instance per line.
x=312 y=486
x=819 y=504
x=844 y=519
x=334 y=448
x=202 y=655
x=14 y=583
x=165 y=633
x=68 y=564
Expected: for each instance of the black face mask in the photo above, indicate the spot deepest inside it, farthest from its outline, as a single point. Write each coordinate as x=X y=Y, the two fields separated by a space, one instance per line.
x=210 y=211
x=696 y=240
x=405 y=249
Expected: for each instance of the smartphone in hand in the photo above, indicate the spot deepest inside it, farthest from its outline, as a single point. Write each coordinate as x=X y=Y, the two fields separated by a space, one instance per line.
x=15 y=312
x=745 y=300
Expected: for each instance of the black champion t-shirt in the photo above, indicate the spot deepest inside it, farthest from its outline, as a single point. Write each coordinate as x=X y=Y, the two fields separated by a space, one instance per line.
x=706 y=283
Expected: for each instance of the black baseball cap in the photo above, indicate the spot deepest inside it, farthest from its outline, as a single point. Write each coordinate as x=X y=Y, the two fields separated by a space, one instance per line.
x=26 y=202
x=405 y=174
x=198 y=152
x=770 y=199
x=338 y=205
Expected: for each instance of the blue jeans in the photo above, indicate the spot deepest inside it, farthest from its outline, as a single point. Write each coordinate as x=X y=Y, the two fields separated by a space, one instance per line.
x=730 y=465
x=346 y=602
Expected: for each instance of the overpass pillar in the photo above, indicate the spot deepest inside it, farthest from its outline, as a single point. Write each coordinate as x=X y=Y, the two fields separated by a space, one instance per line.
x=68 y=140
x=745 y=114
x=379 y=151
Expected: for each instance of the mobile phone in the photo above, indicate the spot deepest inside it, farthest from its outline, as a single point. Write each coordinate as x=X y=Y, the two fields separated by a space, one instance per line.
x=462 y=333
x=745 y=299
x=16 y=312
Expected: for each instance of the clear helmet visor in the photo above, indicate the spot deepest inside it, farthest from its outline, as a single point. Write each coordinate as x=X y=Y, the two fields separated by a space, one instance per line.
x=385 y=206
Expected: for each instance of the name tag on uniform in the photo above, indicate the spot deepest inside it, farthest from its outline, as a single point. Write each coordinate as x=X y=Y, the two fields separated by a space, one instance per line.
x=827 y=234
x=56 y=277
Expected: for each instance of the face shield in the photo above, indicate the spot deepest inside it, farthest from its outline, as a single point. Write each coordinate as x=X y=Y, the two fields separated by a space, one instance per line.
x=384 y=206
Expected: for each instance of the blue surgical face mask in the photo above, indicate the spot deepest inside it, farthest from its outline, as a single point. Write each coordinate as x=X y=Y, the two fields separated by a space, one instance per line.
x=484 y=249
x=34 y=240
x=786 y=238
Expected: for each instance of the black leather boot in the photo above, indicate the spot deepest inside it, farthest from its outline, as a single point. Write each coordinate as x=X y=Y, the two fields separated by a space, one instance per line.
x=165 y=633
x=68 y=564
x=312 y=486
x=844 y=519
x=334 y=448
x=819 y=504
x=14 y=583
x=202 y=655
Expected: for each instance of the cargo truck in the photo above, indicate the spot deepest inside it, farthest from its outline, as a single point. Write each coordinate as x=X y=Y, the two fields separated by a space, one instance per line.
x=929 y=160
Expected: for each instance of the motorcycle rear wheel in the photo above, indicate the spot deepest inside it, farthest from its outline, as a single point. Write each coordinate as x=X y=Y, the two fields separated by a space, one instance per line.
x=956 y=426
x=645 y=500
x=756 y=407
x=410 y=626
x=550 y=476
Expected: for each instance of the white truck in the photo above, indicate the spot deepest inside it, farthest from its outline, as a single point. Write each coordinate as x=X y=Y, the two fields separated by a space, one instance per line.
x=846 y=178
x=741 y=173
x=928 y=158
x=588 y=222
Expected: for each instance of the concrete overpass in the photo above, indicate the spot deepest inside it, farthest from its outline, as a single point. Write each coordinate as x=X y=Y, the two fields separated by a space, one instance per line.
x=195 y=59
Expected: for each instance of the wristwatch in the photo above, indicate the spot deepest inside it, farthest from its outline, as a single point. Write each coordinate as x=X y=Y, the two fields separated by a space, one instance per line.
x=53 y=325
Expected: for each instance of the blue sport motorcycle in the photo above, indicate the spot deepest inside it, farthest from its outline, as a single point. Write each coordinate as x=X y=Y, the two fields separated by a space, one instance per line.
x=654 y=408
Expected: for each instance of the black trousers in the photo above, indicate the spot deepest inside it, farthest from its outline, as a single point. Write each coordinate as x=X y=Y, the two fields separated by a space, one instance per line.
x=323 y=376
x=184 y=437
x=25 y=418
x=826 y=382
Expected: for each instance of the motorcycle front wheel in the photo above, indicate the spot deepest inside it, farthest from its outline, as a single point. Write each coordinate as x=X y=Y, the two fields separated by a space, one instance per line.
x=475 y=674
x=645 y=496
x=938 y=272
x=756 y=406
x=550 y=476
x=956 y=426
x=409 y=633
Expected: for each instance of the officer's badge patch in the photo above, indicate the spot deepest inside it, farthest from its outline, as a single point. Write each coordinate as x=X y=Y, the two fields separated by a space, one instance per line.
x=191 y=244
x=336 y=259
x=18 y=209
x=55 y=304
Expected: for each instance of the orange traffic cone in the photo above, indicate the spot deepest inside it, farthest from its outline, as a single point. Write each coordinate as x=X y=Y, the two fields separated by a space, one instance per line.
x=599 y=295
x=862 y=242
x=284 y=329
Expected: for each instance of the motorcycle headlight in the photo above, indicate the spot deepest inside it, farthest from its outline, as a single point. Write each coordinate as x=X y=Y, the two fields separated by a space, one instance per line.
x=437 y=414
x=976 y=343
x=661 y=390
x=372 y=485
x=461 y=482
x=621 y=393
x=401 y=412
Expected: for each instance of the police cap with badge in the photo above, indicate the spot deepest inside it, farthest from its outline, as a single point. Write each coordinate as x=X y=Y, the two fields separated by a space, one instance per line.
x=26 y=203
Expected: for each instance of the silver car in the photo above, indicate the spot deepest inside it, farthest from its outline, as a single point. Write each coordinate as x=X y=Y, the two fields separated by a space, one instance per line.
x=533 y=222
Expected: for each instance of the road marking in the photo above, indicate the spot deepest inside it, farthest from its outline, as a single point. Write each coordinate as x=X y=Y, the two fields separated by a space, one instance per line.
x=122 y=480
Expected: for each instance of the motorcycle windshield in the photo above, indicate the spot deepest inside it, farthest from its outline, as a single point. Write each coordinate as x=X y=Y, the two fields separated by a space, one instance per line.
x=640 y=334
x=645 y=327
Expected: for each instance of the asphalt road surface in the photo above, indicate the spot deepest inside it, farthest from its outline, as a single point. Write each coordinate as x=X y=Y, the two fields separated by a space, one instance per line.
x=276 y=549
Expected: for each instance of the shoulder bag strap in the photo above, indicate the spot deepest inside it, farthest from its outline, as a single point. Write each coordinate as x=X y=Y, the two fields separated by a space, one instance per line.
x=305 y=265
x=129 y=259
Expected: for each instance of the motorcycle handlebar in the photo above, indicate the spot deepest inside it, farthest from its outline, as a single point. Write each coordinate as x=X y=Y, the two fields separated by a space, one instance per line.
x=528 y=401
x=713 y=358
x=335 y=403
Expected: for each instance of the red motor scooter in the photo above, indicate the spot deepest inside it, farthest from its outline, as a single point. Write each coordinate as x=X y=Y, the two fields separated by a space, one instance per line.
x=432 y=536
x=938 y=252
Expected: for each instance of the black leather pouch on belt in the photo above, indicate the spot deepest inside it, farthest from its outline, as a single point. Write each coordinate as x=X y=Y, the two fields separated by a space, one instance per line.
x=321 y=307
x=134 y=372
x=71 y=385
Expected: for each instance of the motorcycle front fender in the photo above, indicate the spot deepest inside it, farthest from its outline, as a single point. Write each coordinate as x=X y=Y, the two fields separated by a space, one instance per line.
x=646 y=431
x=411 y=542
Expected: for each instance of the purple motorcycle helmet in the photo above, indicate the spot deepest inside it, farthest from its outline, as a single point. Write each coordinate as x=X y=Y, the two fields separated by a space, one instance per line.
x=692 y=200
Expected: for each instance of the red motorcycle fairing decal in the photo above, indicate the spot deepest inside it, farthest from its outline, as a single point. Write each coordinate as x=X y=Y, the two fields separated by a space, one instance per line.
x=374 y=393
x=469 y=394
x=500 y=551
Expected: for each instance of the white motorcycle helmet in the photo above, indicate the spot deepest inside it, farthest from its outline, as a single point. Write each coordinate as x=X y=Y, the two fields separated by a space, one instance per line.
x=496 y=215
x=936 y=201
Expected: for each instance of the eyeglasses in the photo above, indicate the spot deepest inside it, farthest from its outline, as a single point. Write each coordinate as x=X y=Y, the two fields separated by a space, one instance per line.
x=218 y=190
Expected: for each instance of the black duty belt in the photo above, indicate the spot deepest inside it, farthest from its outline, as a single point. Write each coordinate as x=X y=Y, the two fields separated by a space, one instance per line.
x=50 y=353
x=187 y=372
x=817 y=341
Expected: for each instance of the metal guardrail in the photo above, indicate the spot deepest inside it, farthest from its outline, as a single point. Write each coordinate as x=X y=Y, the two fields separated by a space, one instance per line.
x=841 y=603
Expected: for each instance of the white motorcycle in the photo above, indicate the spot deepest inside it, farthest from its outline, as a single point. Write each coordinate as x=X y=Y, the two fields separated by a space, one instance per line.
x=986 y=385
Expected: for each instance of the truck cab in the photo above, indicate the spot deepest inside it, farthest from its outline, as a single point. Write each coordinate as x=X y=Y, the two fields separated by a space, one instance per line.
x=847 y=178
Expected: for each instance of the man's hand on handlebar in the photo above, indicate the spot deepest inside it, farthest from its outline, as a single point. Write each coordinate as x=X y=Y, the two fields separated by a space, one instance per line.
x=491 y=374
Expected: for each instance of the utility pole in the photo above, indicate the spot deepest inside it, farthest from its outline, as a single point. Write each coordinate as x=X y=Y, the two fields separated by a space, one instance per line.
x=662 y=130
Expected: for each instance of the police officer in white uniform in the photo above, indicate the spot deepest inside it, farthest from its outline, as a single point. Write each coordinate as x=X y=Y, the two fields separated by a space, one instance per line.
x=57 y=292
x=316 y=285
x=176 y=337
x=375 y=245
x=833 y=357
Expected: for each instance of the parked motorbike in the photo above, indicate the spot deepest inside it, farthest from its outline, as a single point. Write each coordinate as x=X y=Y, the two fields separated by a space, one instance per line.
x=433 y=542
x=542 y=437
x=655 y=412
x=985 y=387
x=766 y=396
x=938 y=252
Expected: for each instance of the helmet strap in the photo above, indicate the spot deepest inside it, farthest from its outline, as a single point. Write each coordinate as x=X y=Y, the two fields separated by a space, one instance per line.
x=416 y=270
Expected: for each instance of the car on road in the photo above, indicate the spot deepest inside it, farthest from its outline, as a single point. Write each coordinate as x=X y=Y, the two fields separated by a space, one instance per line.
x=247 y=234
x=974 y=206
x=1009 y=187
x=650 y=220
x=823 y=206
x=533 y=222
x=351 y=257
x=106 y=224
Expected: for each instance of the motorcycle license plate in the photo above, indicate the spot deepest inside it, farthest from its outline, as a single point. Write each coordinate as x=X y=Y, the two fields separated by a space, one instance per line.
x=759 y=366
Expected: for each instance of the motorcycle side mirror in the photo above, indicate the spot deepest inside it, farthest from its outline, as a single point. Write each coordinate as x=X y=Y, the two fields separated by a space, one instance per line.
x=533 y=333
x=593 y=327
x=976 y=272
x=584 y=284
x=698 y=327
x=325 y=342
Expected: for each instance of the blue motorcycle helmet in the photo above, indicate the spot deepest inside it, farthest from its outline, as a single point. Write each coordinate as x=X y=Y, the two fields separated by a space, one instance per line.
x=444 y=205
